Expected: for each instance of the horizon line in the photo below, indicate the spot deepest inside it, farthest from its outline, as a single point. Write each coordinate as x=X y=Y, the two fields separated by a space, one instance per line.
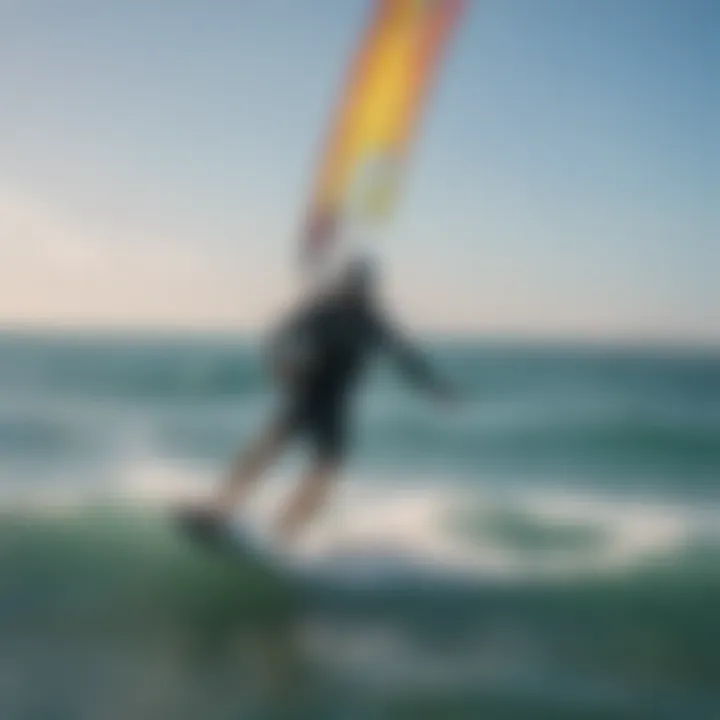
x=130 y=331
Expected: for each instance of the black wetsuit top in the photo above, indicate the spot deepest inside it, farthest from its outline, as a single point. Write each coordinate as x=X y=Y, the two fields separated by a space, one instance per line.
x=342 y=336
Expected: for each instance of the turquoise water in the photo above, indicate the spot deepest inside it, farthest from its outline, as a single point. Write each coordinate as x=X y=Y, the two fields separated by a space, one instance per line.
x=562 y=525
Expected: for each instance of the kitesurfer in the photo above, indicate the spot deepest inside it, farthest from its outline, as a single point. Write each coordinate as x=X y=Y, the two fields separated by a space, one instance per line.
x=318 y=355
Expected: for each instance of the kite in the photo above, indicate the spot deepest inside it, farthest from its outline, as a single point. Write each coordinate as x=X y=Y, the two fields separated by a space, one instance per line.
x=376 y=118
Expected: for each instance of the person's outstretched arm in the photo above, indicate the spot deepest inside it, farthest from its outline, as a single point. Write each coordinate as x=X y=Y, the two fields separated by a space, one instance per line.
x=413 y=364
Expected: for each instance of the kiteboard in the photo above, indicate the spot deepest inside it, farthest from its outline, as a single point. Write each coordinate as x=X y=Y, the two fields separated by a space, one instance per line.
x=231 y=539
x=356 y=566
x=240 y=544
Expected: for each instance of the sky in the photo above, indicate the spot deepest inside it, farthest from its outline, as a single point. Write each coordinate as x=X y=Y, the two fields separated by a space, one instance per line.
x=156 y=156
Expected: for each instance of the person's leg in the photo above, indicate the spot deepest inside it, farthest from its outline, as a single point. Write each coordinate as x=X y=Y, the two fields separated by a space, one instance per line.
x=251 y=463
x=325 y=428
x=308 y=498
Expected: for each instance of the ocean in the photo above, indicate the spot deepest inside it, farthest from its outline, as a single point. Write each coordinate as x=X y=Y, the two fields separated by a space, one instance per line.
x=550 y=548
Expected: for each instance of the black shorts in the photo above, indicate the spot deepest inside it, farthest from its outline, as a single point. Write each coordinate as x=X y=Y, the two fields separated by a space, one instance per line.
x=319 y=422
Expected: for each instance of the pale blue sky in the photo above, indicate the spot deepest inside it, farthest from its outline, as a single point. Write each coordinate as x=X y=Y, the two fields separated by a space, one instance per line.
x=155 y=156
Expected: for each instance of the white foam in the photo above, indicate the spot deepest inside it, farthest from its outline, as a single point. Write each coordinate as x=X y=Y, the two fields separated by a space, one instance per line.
x=383 y=518
x=413 y=522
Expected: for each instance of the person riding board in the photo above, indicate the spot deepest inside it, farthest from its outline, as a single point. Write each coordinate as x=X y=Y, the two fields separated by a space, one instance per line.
x=319 y=354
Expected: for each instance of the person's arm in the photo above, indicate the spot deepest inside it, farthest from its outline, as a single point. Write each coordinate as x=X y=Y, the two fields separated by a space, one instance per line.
x=281 y=346
x=289 y=347
x=413 y=364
